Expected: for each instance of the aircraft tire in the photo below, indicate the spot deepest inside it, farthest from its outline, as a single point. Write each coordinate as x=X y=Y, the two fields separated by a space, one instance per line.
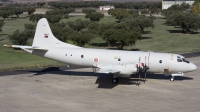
x=172 y=79
x=115 y=80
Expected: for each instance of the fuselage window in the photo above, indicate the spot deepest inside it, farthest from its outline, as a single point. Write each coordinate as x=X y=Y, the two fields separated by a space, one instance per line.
x=65 y=54
x=160 y=61
x=119 y=59
x=179 y=60
x=184 y=60
x=82 y=56
x=71 y=54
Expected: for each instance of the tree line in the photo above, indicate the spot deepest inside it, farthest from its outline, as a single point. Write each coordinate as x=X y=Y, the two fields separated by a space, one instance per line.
x=96 y=4
x=183 y=16
x=126 y=31
x=15 y=9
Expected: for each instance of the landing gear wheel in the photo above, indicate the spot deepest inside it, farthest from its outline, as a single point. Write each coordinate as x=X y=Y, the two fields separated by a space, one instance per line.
x=172 y=79
x=115 y=80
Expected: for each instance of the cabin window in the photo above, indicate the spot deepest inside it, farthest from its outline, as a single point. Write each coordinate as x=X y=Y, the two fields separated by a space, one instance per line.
x=71 y=54
x=179 y=60
x=160 y=61
x=184 y=60
x=119 y=59
x=82 y=56
x=65 y=54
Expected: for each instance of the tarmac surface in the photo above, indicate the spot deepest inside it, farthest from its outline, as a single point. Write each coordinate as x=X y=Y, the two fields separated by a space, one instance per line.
x=77 y=89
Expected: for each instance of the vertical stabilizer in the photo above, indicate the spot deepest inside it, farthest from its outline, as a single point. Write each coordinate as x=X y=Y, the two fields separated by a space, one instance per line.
x=44 y=37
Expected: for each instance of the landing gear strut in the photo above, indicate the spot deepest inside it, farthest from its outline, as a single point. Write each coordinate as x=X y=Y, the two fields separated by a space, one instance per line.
x=172 y=79
x=115 y=80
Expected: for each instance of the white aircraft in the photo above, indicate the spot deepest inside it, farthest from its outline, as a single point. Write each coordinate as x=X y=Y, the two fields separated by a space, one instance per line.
x=116 y=62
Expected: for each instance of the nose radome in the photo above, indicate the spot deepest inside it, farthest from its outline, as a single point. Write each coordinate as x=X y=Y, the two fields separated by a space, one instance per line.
x=193 y=67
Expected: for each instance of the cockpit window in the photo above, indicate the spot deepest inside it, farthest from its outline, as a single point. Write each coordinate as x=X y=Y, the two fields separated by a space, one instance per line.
x=184 y=60
x=178 y=57
x=179 y=60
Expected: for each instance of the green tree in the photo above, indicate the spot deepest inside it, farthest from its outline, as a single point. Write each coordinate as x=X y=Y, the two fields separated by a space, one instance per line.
x=86 y=11
x=141 y=22
x=176 y=9
x=81 y=38
x=40 y=4
x=145 y=11
x=117 y=34
x=196 y=8
x=122 y=13
x=20 y=38
x=78 y=24
x=196 y=2
x=94 y=16
x=61 y=31
x=53 y=18
x=30 y=10
x=66 y=16
x=187 y=21
x=1 y=25
x=36 y=17
x=5 y=13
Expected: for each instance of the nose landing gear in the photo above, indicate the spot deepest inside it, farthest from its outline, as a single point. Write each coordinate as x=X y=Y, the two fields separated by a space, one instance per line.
x=172 y=79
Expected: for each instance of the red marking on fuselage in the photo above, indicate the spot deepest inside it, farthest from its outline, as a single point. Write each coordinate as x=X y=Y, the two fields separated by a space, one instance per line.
x=96 y=60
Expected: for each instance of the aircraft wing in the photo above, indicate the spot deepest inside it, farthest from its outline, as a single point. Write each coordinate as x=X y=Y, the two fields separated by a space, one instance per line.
x=107 y=71
x=116 y=68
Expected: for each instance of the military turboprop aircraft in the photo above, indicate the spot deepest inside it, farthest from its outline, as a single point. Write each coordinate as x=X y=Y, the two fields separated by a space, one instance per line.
x=116 y=62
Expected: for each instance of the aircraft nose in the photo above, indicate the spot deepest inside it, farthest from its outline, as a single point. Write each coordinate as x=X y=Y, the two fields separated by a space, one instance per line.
x=193 y=67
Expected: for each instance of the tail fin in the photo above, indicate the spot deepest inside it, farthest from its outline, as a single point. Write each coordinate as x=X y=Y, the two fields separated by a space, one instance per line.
x=44 y=38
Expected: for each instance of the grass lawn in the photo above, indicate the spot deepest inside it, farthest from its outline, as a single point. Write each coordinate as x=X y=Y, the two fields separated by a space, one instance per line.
x=160 y=39
x=168 y=39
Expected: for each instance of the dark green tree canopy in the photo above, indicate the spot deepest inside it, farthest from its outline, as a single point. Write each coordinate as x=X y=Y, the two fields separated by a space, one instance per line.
x=94 y=16
x=116 y=34
x=122 y=13
x=175 y=9
x=196 y=2
x=30 y=10
x=40 y=4
x=81 y=38
x=86 y=11
x=61 y=31
x=1 y=25
x=36 y=17
x=78 y=24
x=187 y=21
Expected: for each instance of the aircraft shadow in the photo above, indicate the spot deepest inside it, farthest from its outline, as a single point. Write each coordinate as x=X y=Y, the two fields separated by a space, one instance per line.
x=104 y=80
x=161 y=77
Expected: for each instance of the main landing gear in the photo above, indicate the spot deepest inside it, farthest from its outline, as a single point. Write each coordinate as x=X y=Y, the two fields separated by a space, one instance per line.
x=115 y=80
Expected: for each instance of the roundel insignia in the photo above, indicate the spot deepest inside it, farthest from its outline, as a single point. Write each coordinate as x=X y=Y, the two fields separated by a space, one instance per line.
x=96 y=59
